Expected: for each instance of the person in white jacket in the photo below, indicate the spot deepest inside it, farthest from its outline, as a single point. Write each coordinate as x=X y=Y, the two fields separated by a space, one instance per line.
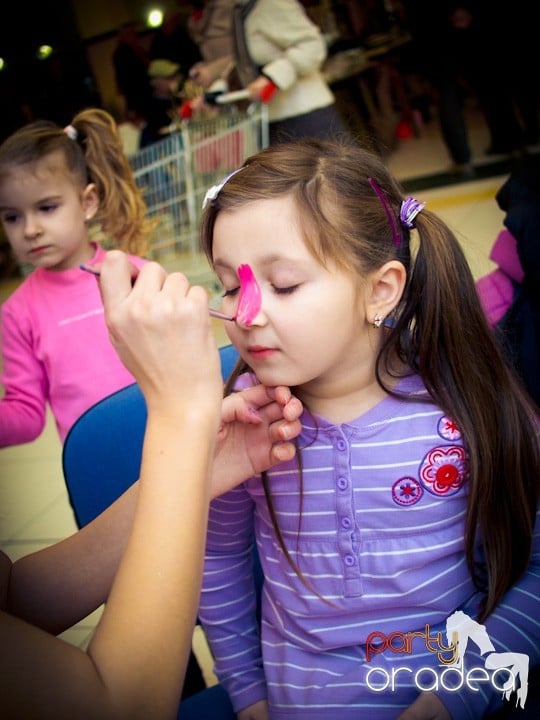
x=275 y=40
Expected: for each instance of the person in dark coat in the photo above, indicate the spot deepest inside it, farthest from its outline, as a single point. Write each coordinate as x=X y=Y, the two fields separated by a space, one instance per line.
x=519 y=328
x=130 y=62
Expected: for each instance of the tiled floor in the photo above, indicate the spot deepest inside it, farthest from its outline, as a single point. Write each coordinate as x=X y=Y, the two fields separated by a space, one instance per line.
x=34 y=509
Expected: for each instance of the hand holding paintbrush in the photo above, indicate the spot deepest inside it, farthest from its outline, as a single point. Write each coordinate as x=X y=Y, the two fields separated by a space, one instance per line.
x=249 y=301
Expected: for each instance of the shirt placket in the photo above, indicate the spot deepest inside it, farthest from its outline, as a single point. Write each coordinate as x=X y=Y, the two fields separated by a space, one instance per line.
x=346 y=520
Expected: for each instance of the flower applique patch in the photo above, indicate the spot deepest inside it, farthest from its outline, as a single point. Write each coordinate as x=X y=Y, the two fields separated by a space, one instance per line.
x=407 y=491
x=448 y=429
x=444 y=470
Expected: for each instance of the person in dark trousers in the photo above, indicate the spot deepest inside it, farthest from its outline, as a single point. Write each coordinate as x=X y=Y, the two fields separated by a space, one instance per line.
x=130 y=62
x=461 y=47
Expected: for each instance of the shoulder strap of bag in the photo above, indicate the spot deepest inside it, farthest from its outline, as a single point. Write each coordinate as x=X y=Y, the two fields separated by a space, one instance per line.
x=245 y=67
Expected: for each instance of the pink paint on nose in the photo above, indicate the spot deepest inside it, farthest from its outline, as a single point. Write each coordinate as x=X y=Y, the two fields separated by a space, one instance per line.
x=249 y=302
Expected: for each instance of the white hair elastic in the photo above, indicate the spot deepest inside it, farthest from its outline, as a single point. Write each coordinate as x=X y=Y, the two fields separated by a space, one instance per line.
x=71 y=132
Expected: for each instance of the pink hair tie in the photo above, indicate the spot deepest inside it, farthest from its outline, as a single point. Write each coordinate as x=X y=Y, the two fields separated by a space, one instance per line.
x=71 y=132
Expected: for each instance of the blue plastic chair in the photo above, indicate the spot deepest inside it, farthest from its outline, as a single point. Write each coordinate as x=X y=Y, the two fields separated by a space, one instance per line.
x=101 y=459
x=102 y=452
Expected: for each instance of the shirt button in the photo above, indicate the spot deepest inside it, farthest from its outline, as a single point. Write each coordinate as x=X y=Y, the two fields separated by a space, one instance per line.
x=341 y=445
x=349 y=560
x=342 y=483
x=346 y=523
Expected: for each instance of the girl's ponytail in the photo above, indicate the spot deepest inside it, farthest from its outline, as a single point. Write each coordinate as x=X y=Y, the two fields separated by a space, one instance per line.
x=122 y=210
x=442 y=333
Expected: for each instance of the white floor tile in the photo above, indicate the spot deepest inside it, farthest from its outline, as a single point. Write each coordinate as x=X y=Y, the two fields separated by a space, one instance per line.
x=471 y=211
x=53 y=523
x=24 y=515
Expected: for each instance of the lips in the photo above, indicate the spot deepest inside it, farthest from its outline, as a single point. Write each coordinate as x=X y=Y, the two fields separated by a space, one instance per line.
x=260 y=352
x=38 y=250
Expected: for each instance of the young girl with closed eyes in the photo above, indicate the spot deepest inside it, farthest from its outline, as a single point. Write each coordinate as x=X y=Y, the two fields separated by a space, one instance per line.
x=415 y=492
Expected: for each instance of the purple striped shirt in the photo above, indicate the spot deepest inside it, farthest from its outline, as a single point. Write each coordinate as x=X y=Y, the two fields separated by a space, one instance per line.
x=377 y=531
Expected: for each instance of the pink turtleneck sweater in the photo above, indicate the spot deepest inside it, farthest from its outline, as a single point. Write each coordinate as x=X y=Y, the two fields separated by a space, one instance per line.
x=56 y=350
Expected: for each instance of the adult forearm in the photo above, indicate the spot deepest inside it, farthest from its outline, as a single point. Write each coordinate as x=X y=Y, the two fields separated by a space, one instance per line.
x=58 y=586
x=136 y=661
x=151 y=610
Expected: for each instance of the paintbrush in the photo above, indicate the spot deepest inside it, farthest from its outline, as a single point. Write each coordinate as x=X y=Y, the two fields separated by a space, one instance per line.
x=211 y=311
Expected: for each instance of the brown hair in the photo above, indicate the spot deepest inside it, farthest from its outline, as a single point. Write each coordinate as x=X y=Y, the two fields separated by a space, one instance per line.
x=93 y=153
x=439 y=330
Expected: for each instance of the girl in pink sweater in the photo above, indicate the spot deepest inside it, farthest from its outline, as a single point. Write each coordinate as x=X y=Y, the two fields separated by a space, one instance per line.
x=54 y=182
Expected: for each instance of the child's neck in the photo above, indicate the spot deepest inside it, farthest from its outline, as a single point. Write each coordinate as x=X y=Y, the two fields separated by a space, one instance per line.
x=83 y=255
x=346 y=399
x=346 y=407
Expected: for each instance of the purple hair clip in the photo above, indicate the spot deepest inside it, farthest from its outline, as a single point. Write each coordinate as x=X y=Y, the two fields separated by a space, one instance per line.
x=410 y=208
x=407 y=214
x=377 y=190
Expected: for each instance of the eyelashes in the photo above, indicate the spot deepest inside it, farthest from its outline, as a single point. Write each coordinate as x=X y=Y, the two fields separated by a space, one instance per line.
x=13 y=217
x=286 y=290
x=278 y=290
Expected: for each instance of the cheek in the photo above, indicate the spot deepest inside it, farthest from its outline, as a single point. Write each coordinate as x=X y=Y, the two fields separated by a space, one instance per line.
x=8 y=232
x=232 y=331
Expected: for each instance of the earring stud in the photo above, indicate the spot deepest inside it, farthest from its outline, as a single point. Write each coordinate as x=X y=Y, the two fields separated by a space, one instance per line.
x=377 y=321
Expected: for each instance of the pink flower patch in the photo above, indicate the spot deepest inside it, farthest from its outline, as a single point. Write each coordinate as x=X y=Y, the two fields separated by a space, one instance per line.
x=444 y=470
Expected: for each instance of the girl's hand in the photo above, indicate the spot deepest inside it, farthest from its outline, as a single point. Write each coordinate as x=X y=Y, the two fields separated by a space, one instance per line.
x=427 y=706
x=257 y=711
x=257 y=427
x=161 y=330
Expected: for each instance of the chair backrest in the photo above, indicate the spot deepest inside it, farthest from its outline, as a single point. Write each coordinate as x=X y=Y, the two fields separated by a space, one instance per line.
x=101 y=457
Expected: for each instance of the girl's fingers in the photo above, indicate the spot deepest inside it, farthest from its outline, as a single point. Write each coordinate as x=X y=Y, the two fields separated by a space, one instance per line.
x=254 y=403
x=285 y=430
x=283 y=452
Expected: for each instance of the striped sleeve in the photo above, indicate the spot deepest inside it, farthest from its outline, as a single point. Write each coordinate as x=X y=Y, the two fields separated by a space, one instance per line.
x=228 y=600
